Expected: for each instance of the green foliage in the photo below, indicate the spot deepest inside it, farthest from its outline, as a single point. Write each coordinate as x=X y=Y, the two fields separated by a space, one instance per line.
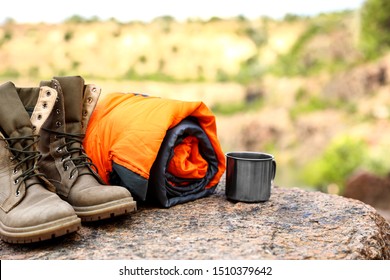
x=68 y=35
x=231 y=108
x=79 y=19
x=250 y=70
x=379 y=163
x=131 y=74
x=292 y=17
x=175 y=49
x=298 y=61
x=215 y=19
x=375 y=28
x=6 y=37
x=33 y=72
x=165 y=23
x=75 y=19
x=311 y=104
x=290 y=64
x=339 y=160
x=10 y=73
x=258 y=36
x=308 y=103
x=142 y=59
x=222 y=76
x=200 y=71
x=241 y=18
x=75 y=65
x=166 y=18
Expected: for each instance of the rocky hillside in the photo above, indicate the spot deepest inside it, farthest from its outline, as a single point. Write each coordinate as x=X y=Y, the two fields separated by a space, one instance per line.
x=166 y=50
x=163 y=49
x=297 y=88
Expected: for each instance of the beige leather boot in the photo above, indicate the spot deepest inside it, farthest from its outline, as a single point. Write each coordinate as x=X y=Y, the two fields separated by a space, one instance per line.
x=29 y=211
x=64 y=160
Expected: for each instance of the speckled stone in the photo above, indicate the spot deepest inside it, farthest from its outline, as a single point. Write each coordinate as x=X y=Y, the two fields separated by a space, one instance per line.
x=293 y=224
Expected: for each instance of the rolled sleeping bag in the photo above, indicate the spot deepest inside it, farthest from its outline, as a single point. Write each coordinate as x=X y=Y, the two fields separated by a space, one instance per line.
x=162 y=150
x=185 y=165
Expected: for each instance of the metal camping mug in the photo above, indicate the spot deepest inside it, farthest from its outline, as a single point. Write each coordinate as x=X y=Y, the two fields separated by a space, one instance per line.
x=249 y=176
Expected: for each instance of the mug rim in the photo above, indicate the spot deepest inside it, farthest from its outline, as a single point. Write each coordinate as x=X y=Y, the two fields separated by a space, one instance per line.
x=240 y=155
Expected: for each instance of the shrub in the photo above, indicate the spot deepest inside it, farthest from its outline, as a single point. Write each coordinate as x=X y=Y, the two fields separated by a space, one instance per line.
x=6 y=37
x=250 y=70
x=258 y=36
x=142 y=59
x=231 y=108
x=375 y=28
x=339 y=160
x=10 y=73
x=68 y=36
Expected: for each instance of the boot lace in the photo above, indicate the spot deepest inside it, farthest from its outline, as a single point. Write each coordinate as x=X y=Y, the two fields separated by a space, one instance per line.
x=75 y=152
x=25 y=158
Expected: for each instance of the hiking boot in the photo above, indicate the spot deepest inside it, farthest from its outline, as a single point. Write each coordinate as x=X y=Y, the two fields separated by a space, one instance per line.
x=30 y=210
x=64 y=160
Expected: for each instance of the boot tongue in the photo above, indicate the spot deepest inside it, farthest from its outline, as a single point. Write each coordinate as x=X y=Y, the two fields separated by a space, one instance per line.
x=14 y=119
x=72 y=88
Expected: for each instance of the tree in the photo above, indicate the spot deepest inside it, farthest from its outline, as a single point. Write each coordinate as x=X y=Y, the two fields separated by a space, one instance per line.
x=375 y=28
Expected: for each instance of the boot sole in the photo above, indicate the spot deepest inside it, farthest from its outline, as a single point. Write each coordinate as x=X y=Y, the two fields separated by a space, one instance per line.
x=106 y=210
x=41 y=232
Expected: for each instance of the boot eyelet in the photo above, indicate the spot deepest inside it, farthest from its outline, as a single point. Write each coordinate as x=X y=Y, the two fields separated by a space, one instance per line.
x=39 y=117
x=58 y=111
x=15 y=171
x=85 y=113
x=57 y=99
x=66 y=167
x=58 y=123
x=94 y=90
x=89 y=100
x=17 y=193
x=58 y=150
x=44 y=105
x=48 y=93
x=16 y=181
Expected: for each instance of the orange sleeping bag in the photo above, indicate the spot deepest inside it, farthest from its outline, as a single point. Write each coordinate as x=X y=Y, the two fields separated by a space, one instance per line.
x=160 y=149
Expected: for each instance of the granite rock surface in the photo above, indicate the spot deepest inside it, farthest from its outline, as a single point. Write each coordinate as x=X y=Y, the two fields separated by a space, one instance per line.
x=293 y=225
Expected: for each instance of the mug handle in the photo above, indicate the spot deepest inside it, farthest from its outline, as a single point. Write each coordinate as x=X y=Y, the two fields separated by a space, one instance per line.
x=273 y=169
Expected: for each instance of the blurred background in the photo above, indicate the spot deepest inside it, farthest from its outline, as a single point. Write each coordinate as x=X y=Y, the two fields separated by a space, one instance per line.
x=307 y=82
